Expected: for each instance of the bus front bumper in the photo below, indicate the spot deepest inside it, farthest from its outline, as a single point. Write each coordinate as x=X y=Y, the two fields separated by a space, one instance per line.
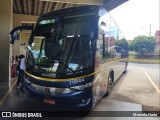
x=77 y=100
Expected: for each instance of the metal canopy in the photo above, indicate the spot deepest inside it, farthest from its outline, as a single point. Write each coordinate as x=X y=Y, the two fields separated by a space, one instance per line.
x=39 y=7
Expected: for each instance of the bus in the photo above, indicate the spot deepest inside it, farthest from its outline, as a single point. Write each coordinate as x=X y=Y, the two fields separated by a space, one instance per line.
x=73 y=57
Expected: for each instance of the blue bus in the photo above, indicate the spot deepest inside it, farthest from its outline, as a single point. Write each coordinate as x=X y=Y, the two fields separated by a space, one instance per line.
x=73 y=57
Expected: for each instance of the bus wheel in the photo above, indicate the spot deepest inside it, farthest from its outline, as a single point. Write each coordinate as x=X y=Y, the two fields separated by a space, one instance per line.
x=110 y=84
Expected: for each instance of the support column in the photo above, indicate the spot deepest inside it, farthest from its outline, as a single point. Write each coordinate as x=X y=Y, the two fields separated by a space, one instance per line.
x=6 y=15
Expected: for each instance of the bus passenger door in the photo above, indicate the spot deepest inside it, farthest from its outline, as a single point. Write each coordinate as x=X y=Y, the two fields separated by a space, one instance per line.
x=100 y=68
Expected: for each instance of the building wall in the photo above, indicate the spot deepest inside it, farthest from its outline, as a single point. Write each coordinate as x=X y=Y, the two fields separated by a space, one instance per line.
x=110 y=41
x=157 y=47
x=5 y=27
x=19 y=47
x=157 y=35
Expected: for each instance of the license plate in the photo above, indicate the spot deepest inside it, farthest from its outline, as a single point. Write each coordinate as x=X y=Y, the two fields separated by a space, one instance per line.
x=49 y=101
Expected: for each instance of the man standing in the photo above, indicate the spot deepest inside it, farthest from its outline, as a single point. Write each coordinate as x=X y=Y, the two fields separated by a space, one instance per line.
x=21 y=68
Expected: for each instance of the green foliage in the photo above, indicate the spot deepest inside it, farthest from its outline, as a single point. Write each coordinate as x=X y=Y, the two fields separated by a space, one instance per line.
x=122 y=43
x=130 y=46
x=142 y=44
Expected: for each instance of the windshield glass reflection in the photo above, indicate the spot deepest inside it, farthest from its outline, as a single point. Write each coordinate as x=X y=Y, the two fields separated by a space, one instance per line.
x=63 y=48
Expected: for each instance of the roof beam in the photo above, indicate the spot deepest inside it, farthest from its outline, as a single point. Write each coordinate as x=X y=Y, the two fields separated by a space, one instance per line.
x=59 y=7
x=46 y=7
x=40 y=7
x=67 y=5
x=57 y=4
x=50 y=7
x=29 y=7
x=15 y=7
x=19 y=6
x=36 y=7
x=25 y=6
x=89 y=2
x=112 y=4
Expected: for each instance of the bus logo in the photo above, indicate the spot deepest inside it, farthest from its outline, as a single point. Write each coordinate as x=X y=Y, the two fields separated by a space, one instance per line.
x=47 y=90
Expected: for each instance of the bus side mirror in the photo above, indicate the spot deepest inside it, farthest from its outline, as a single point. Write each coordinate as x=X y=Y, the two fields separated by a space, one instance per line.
x=12 y=39
x=14 y=33
x=15 y=36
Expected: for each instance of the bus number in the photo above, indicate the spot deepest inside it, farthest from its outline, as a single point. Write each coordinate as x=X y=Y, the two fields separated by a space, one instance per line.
x=73 y=82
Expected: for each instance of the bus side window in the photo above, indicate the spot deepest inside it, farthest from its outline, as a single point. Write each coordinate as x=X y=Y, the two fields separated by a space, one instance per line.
x=117 y=54
x=99 y=51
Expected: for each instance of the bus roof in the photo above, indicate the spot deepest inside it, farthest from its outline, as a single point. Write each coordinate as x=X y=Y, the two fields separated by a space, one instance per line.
x=72 y=10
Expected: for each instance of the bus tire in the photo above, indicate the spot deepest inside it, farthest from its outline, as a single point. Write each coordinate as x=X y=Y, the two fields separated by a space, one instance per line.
x=110 y=83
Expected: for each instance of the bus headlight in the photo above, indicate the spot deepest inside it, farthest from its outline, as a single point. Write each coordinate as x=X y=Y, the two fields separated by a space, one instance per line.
x=81 y=87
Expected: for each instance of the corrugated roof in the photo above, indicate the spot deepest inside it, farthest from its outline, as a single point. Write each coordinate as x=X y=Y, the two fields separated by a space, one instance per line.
x=39 y=7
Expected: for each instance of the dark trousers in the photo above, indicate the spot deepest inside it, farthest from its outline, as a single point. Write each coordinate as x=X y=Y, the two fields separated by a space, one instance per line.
x=20 y=77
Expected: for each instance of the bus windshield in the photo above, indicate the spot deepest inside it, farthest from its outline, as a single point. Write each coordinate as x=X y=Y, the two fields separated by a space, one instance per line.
x=61 y=48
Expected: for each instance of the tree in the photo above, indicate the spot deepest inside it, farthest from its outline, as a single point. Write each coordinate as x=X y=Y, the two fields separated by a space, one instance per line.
x=130 y=46
x=143 y=44
x=122 y=43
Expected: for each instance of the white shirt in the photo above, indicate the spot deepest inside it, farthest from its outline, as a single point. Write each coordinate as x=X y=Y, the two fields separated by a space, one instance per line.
x=22 y=64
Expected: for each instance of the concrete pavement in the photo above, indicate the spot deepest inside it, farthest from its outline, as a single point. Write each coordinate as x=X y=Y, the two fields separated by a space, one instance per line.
x=135 y=87
x=132 y=92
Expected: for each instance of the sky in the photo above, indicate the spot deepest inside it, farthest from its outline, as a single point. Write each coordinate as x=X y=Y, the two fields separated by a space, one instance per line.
x=136 y=16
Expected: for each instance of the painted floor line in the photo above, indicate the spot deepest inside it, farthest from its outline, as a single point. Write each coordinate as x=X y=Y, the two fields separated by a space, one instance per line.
x=7 y=93
x=154 y=85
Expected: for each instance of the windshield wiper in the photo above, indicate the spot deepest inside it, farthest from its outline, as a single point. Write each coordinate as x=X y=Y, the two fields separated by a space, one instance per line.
x=64 y=65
